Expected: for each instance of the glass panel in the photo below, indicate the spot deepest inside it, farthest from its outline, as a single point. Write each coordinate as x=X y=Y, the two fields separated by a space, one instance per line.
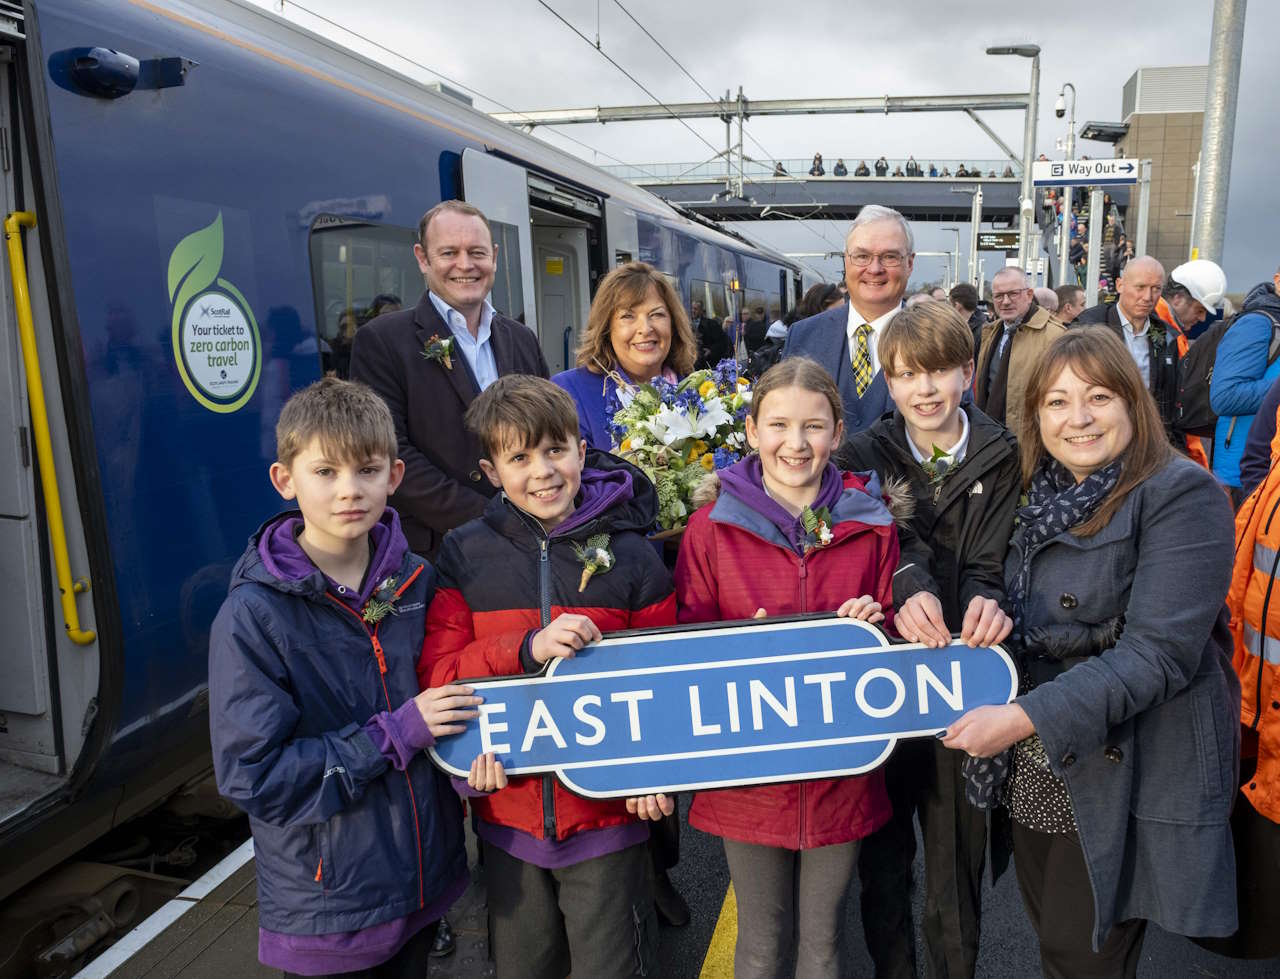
x=508 y=289
x=714 y=301
x=358 y=271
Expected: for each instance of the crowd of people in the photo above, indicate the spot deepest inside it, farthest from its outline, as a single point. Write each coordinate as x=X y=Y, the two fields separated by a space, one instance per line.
x=1025 y=480
x=881 y=169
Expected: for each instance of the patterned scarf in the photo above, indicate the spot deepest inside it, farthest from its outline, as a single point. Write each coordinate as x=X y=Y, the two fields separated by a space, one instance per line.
x=1056 y=503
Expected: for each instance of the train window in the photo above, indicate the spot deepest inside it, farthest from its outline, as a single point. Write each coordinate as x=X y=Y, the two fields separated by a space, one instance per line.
x=714 y=301
x=508 y=288
x=774 y=306
x=357 y=271
x=753 y=300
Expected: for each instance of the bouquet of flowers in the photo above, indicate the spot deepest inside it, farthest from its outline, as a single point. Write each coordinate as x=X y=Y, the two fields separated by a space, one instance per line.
x=677 y=433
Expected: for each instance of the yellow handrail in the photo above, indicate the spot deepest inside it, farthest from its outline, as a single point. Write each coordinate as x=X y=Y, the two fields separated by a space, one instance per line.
x=13 y=226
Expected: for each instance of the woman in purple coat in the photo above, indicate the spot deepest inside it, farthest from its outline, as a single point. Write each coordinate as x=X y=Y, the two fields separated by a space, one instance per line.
x=636 y=331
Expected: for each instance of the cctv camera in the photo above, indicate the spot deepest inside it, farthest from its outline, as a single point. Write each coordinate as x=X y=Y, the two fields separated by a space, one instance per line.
x=1060 y=107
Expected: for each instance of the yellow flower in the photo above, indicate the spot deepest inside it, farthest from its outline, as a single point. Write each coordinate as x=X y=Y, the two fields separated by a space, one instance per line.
x=625 y=446
x=743 y=382
x=700 y=447
x=708 y=462
x=707 y=389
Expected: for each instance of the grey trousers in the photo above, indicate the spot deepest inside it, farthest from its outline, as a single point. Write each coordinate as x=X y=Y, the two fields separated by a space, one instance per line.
x=789 y=900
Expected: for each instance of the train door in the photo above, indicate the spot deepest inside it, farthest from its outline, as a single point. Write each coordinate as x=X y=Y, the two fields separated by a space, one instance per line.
x=559 y=253
x=32 y=740
x=567 y=236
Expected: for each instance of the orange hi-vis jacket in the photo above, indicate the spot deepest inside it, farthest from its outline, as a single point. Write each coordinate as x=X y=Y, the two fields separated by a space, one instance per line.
x=1254 y=602
x=1194 y=449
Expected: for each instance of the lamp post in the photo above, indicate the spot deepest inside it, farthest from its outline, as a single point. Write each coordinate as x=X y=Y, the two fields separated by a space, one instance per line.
x=1064 y=227
x=1027 y=207
x=955 y=256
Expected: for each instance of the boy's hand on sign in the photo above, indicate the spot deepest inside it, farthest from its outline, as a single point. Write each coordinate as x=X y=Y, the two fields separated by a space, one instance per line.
x=487 y=773
x=919 y=619
x=985 y=623
x=563 y=637
x=865 y=608
x=445 y=709
x=760 y=614
x=651 y=806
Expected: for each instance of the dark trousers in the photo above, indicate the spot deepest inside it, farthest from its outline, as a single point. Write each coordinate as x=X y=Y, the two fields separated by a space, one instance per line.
x=594 y=918
x=664 y=842
x=923 y=779
x=408 y=963
x=1055 y=889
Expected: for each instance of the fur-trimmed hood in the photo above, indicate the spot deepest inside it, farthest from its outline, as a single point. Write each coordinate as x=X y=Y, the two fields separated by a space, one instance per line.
x=895 y=493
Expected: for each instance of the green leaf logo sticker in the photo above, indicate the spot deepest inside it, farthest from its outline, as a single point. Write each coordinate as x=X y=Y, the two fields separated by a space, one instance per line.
x=215 y=337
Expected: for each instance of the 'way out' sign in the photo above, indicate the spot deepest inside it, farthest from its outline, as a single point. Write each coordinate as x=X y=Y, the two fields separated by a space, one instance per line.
x=741 y=704
x=1084 y=173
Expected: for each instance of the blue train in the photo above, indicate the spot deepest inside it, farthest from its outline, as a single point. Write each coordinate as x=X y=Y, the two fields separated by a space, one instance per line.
x=201 y=200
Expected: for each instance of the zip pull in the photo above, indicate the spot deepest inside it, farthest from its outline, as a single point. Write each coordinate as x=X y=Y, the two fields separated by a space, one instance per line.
x=377 y=651
x=319 y=870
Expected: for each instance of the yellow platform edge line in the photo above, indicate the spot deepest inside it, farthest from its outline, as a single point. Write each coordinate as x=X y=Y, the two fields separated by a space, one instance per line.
x=718 y=963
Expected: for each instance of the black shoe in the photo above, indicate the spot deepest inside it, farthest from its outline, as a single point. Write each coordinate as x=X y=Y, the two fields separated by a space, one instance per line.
x=671 y=907
x=445 y=943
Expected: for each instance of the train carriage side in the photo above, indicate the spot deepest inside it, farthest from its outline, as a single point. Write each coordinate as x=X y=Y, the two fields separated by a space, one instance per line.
x=212 y=218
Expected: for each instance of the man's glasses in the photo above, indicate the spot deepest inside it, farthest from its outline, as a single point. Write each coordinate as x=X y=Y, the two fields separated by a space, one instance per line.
x=1007 y=297
x=890 y=260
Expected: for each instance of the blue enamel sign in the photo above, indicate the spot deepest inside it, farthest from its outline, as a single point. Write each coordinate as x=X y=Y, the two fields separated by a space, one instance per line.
x=741 y=704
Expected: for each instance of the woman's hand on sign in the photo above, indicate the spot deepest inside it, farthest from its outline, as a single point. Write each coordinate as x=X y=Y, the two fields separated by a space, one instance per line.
x=985 y=623
x=760 y=614
x=444 y=709
x=919 y=619
x=487 y=773
x=986 y=731
x=563 y=637
x=865 y=608
x=651 y=806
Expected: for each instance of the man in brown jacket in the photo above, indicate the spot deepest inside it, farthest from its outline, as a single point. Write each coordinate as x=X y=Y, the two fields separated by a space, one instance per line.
x=1011 y=346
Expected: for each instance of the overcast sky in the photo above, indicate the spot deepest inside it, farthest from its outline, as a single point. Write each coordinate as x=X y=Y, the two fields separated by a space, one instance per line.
x=519 y=55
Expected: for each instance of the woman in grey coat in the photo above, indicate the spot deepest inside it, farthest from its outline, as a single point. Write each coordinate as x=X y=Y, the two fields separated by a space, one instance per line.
x=1126 y=736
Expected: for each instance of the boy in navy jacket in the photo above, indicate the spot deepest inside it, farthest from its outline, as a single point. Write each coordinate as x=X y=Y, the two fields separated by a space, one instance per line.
x=316 y=720
x=557 y=558
x=962 y=471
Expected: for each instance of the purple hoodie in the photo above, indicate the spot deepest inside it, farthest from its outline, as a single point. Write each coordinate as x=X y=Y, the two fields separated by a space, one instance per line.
x=399 y=735
x=745 y=480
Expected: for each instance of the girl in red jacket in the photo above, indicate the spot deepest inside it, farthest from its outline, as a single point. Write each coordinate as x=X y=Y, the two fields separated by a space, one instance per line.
x=791 y=848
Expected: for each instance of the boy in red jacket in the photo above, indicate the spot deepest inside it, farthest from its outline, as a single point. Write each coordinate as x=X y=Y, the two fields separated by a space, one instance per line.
x=557 y=558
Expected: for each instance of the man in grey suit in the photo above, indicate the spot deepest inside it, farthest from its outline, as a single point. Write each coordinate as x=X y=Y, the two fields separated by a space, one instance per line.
x=878 y=258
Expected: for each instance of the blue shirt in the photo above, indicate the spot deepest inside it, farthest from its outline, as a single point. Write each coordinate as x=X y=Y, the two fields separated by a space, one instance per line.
x=478 y=350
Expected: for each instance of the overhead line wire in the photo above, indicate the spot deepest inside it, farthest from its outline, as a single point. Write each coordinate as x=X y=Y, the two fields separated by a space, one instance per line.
x=676 y=61
x=462 y=85
x=640 y=85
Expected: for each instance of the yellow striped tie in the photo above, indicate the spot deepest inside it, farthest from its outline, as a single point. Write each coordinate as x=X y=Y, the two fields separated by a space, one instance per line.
x=862 y=372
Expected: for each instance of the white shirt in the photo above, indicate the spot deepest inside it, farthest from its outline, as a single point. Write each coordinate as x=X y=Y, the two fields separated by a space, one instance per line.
x=477 y=349
x=1136 y=341
x=955 y=454
x=856 y=319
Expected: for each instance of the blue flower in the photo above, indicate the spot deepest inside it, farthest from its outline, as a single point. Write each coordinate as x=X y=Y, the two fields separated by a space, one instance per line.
x=724 y=458
x=688 y=399
x=726 y=373
x=666 y=390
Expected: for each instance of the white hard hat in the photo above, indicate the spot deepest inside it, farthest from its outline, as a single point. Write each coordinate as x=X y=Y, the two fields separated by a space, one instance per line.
x=1205 y=280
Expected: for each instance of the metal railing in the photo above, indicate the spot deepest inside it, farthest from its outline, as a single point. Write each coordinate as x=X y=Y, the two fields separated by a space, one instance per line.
x=798 y=167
